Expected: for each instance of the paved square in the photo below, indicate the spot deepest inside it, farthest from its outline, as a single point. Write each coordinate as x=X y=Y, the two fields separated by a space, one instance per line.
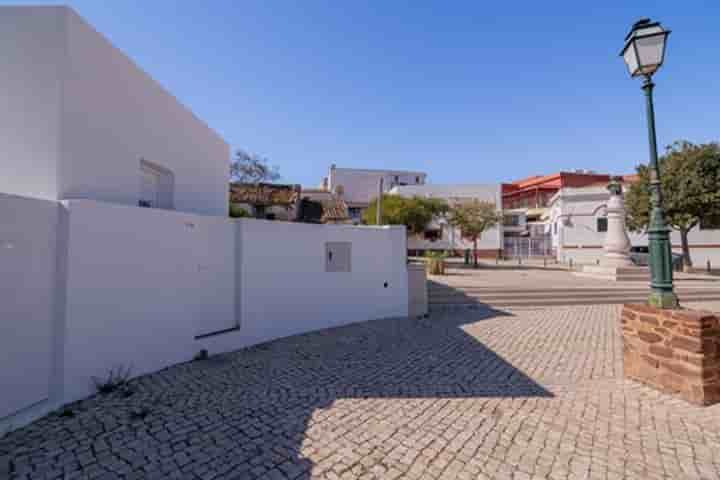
x=466 y=394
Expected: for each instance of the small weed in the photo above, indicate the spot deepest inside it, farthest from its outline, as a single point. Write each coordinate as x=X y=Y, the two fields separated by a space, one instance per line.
x=127 y=391
x=139 y=413
x=117 y=379
x=201 y=355
x=66 y=413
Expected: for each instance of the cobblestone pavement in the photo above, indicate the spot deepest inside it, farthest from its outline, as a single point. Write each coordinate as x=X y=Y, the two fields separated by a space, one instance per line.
x=466 y=394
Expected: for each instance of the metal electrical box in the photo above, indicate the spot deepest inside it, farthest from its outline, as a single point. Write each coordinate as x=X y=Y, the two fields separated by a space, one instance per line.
x=337 y=256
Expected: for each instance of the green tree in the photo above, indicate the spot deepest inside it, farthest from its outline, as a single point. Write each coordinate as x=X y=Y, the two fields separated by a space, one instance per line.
x=252 y=168
x=473 y=218
x=236 y=211
x=690 y=176
x=415 y=213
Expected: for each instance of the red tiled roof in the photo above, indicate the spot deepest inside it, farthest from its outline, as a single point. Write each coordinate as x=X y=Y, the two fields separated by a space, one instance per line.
x=263 y=193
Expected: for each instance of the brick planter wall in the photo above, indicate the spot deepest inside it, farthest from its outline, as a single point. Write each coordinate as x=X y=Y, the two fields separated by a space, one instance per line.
x=675 y=351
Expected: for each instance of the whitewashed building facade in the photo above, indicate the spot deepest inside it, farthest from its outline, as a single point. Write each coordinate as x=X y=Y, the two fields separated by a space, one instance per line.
x=81 y=121
x=89 y=281
x=577 y=221
x=359 y=186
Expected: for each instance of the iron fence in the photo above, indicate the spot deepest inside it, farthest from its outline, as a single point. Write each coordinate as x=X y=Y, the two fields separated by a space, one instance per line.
x=526 y=247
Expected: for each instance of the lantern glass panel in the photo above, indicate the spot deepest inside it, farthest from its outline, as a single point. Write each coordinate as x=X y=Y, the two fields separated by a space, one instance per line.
x=650 y=52
x=631 y=60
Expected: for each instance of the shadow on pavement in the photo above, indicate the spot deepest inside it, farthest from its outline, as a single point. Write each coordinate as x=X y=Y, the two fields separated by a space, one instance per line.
x=251 y=413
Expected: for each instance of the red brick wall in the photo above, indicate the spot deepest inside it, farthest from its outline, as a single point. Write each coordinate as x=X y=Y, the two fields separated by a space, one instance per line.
x=675 y=351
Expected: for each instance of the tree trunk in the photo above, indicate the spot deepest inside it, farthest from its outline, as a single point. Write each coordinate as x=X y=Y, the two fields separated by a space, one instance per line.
x=475 y=254
x=687 y=261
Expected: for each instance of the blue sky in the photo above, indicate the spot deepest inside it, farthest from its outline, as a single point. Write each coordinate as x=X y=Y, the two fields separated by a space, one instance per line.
x=467 y=91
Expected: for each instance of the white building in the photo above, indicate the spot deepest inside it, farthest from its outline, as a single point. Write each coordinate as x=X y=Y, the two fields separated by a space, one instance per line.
x=80 y=120
x=359 y=186
x=441 y=236
x=89 y=282
x=577 y=220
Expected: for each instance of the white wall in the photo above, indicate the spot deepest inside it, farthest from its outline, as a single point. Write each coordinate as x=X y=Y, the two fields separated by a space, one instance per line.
x=78 y=116
x=114 y=114
x=141 y=284
x=90 y=286
x=285 y=289
x=32 y=53
x=27 y=301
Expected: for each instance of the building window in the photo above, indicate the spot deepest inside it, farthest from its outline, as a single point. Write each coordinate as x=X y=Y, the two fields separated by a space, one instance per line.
x=511 y=220
x=355 y=213
x=710 y=222
x=555 y=228
x=417 y=180
x=157 y=185
x=602 y=224
x=397 y=179
x=433 y=235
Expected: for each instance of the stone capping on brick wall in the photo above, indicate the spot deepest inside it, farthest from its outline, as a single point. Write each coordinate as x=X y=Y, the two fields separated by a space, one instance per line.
x=675 y=351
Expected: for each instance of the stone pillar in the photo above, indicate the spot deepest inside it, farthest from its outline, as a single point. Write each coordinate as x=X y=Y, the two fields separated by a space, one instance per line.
x=674 y=351
x=617 y=242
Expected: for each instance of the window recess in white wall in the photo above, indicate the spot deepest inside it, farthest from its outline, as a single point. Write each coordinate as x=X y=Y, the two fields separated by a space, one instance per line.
x=157 y=186
x=602 y=224
x=337 y=256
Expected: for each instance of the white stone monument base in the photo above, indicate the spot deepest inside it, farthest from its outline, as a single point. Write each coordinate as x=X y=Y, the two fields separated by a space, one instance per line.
x=619 y=260
x=615 y=274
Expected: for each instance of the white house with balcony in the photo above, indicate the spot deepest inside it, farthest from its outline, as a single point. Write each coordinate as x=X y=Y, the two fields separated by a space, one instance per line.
x=577 y=221
x=80 y=120
x=358 y=186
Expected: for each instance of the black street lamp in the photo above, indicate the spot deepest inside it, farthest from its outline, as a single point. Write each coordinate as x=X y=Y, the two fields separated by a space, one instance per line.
x=644 y=52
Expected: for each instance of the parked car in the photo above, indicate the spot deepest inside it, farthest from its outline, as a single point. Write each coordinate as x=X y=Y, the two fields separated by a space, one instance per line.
x=641 y=256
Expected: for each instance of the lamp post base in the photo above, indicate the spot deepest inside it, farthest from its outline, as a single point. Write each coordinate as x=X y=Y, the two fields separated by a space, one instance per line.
x=666 y=299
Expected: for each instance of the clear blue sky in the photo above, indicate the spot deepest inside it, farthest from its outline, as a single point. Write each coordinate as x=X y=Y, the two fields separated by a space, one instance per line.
x=467 y=91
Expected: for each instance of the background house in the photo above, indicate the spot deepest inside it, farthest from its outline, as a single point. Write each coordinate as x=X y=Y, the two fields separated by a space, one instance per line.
x=578 y=224
x=81 y=121
x=266 y=201
x=323 y=206
x=360 y=186
x=441 y=236
x=526 y=207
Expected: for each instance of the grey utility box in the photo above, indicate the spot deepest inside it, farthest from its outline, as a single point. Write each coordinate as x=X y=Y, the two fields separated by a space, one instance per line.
x=337 y=256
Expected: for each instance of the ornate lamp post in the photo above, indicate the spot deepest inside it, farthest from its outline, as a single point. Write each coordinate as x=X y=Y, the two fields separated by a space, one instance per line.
x=644 y=52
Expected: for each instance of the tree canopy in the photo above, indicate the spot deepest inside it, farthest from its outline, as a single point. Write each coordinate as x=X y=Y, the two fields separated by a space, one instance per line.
x=690 y=182
x=251 y=168
x=473 y=218
x=415 y=213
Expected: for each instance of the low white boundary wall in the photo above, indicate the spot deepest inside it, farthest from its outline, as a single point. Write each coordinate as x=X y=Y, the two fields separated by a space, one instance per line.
x=94 y=286
x=27 y=300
